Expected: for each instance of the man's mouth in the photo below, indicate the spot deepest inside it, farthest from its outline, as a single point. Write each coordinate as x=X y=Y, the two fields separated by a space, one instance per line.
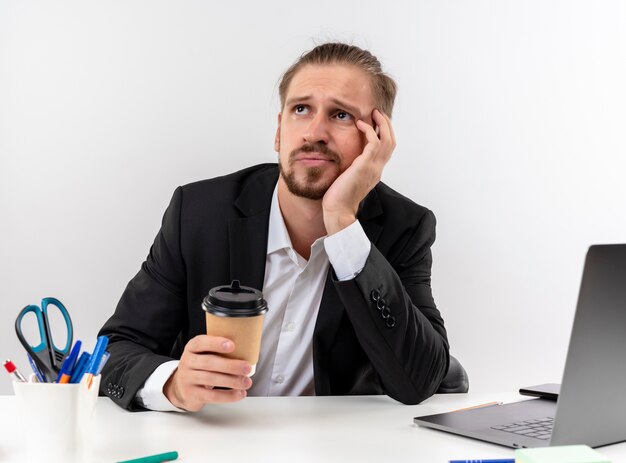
x=313 y=158
x=314 y=155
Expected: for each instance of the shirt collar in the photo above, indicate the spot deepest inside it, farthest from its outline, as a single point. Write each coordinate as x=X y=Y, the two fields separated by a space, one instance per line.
x=277 y=236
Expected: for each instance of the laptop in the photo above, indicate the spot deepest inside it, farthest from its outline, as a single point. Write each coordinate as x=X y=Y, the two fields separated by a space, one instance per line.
x=591 y=405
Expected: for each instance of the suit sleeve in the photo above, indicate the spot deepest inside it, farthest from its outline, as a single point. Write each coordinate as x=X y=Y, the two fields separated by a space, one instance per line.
x=149 y=315
x=391 y=308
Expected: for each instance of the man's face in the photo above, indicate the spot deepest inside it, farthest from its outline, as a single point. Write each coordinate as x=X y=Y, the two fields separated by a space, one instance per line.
x=317 y=138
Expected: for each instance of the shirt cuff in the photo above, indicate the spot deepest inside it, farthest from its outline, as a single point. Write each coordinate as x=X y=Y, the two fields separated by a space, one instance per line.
x=347 y=251
x=151 y=395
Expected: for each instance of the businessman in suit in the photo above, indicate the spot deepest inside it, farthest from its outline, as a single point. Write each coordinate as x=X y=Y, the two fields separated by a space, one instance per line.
x=343 y=260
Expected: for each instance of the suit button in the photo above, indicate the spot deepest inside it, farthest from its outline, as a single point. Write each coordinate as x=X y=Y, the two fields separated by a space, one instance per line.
x=380 y=304
x=375 y=295
x=115 y=390
x=390 y=322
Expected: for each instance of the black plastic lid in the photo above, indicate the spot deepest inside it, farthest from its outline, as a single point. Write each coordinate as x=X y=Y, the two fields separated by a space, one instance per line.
x=235 y=300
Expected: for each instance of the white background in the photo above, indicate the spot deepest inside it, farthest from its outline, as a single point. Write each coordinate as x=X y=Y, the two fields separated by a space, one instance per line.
x=510 y=121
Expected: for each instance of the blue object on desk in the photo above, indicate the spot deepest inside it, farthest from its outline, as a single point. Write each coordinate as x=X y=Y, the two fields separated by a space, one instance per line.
x=96 y=355
x=68 y=364
x=80 y=368
x=505 y=460
x=96 y=358
x=40 y=377
x=105 y=359
x=47 y=355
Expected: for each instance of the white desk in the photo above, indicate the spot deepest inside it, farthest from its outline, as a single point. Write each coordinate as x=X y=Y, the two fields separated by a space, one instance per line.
x=281 y=429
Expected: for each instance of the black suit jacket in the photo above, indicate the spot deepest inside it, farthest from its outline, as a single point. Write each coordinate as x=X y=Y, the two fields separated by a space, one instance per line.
x=379 y=333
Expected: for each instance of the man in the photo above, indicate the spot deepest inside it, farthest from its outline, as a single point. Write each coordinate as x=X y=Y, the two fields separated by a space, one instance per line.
x=343 y=261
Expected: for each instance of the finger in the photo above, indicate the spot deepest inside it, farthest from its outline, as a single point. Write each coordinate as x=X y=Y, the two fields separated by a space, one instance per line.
x=387 y=138
x=370 y=150
x=378 y=148
x=384 y=124
x=205 y=343
x=218 y=396
x=214 y=379
x=391 y=130
x=211 y=362
x=368 y=131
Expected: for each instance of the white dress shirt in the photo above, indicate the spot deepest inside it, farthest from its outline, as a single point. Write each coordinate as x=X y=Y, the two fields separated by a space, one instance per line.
x=293 y=288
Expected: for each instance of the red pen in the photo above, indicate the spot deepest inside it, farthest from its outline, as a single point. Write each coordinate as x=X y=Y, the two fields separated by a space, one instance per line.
x=14 y=372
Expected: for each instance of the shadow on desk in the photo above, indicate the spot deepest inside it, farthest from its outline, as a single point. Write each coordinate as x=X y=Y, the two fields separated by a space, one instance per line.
x=229 y=416
x=456 y=381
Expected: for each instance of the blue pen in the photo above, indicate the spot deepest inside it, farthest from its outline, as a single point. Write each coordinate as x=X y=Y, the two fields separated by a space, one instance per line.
x=67 y=367
x=96 y=358
x=36 y=370
x=103 y=362
x=497 y=460
x=80 y=368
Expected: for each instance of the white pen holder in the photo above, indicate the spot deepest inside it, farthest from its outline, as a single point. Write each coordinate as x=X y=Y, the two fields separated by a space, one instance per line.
x=57 y=419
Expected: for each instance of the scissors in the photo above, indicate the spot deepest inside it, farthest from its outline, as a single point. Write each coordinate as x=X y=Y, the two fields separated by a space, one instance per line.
x=47 y=355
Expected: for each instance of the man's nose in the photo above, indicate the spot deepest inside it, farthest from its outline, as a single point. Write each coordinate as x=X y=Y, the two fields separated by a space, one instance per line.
x=317 y=129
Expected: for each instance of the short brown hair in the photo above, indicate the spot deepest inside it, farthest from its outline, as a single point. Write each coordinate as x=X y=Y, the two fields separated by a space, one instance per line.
x=383 y=86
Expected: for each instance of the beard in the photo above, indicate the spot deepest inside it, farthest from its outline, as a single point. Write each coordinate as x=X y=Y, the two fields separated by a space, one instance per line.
x=311 y=187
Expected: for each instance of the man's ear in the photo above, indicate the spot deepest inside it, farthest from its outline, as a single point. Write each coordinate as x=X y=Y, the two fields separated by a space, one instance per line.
x=277 y=138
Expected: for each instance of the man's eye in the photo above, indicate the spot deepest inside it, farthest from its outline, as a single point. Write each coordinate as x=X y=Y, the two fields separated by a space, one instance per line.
x=343 y=116
x=300 y=109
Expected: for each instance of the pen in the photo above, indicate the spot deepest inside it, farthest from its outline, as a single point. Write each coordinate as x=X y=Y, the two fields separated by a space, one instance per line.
x=36 y=370
x=79 y=369
x=488 y=404
x=497 y=460
x=96 y=357
x=68 y=365
x=103 y=362
x=160 y=458
x=14 y=372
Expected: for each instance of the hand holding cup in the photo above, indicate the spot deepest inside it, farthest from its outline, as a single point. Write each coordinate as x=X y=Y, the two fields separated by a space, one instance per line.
x=216 y=368
x=203 y=367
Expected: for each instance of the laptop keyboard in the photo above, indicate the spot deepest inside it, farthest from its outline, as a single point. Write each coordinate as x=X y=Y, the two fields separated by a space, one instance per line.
x=540 y=428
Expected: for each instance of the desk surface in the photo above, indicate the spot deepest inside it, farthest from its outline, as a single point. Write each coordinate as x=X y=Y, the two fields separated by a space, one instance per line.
x=281 y=429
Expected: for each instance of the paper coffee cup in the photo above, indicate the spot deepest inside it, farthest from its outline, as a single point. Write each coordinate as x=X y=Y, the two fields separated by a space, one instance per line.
x=237 y=312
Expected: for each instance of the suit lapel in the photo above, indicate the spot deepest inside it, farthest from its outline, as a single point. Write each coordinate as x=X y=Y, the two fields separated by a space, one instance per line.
x=248 y=234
